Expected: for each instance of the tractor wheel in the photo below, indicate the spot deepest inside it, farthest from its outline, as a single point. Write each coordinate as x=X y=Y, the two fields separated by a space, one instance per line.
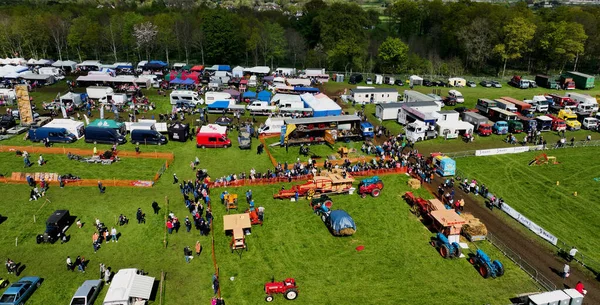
x=363 y=195
x=415 y=210
x=457 y=251
x=485 y=271
x=328 y=203
x=375 y=192
x=291 y=294
x=444 y=251
x=269 y=298
x=472 y=260
x=499 y=268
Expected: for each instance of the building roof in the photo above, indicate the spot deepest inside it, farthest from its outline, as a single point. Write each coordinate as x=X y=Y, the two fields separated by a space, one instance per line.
x=447 y=111
x=373 y=90
x=326 y=119
x=421 y=104
x=390 y=105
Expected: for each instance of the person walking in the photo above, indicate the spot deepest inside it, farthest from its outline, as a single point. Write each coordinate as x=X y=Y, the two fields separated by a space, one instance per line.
x=566 y=271
x=198 y=248
x=102 y=270
x=107 y=275
x=113 y=233
x=69 y=264
x=188 y=224
x=187 y=253
x=175 y=179
x=155 y=207
x=101 y=188
x=140 y=216
x=572 y=254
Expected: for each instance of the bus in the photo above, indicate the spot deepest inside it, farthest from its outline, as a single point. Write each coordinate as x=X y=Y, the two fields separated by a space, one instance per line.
x=498 y=114
x=522 y=107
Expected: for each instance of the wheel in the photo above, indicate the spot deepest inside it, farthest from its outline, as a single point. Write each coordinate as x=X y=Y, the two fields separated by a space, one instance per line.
x=269 y=298
x=203 y=147
x=415 y=210
x=419 y=139
x=39 y=239
x=375 y=192
x=457 y=250
x=323 y=217
x=291 y=294
x=444 y=251
x=159 y=143
x=499 y=268
x=484 y=270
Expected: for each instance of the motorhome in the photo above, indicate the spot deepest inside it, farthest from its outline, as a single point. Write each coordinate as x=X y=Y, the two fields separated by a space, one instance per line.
x=114 y=98
x=56 y=72
x=272 y=126
x=185 y=96
x=212 y=136
x=74 y=127
x=211 y=97
x=259 y=107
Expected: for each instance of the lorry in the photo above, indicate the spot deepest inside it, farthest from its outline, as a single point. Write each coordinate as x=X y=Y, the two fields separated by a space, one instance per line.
x=570 y=119
x=566 y=82
x=418 y=131
x=582 y=81
x=515 y=126
x=96 y=93
x=506 y=105
x=561 y=102
x=529 y=123
x=546 y=81
x=185 y=96
x=500 y=127
x=544 y=123
x=482 y=127
x=522 y=107
x=558 y=124
x=539 y=103
x=260 y=108
x=484 y=105
x=589 y=123
x=586 y=104
x=517 y=82
x=457 y=96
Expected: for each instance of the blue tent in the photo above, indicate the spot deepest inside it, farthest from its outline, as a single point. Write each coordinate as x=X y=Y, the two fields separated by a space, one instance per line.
x=249 y=94
x=224 y=68
x=307 y=89
x=124 y=67
x=338 y=221
x=176 y=81
x=158 y=62
x=264 y=96
x=188 y=81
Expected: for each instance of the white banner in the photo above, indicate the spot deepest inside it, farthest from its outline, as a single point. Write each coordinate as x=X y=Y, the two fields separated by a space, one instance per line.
x=529 y=224
x=501 y=151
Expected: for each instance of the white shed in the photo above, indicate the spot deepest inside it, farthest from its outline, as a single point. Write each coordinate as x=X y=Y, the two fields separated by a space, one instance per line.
x=238 y=71
x=387 y=111
x=74 y=98
x=457 y=82
x=415 y=80
x=374 y=95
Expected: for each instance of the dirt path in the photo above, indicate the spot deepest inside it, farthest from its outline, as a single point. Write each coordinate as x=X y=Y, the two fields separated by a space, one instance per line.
x=545 y=261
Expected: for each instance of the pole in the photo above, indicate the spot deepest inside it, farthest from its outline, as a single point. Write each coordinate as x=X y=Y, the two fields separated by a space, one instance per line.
x=16 y=241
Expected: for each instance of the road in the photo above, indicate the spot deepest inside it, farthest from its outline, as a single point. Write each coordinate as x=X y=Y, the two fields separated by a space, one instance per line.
x=546 y=262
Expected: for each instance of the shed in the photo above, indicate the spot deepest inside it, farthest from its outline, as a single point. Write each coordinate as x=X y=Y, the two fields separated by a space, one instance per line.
x=238 y=71
x=415 y=80
x=127 y=285
x=321 y=105
x=264 y=96
x=387 y=111
x=457 y=82
x=374 y=95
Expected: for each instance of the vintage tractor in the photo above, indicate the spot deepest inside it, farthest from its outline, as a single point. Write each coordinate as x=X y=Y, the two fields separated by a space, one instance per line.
x=288 y=288
x=372 y=186
x=321 y=205
x=446 y=249
x=335 y=182
x=485 y=266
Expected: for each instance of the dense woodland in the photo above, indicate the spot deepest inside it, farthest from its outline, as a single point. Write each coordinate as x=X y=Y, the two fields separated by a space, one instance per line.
x=430 y=37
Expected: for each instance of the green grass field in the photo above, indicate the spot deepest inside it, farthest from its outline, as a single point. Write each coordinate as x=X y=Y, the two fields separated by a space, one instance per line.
x=532 y=191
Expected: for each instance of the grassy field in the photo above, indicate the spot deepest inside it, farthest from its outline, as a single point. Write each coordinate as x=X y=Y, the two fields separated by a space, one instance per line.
x=532 y=191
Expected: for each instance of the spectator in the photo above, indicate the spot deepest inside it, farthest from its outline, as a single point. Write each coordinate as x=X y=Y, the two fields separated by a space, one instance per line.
x=566 y=271
x=198 y=248
x=113 y=233
x=572 y=254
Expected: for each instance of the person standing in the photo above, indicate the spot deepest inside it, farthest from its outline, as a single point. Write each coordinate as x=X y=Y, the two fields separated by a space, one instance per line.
x=69 y=263
x=566 y=271
x=113 y=233
x=107 y=275
x=175 y=179
x=188 y=224
x=187 y=253
x=572 y=254
x=198 y=248
x=155 y=207
x=140 y=216
x=102 y=270
x=101 y=188
x=579 y=287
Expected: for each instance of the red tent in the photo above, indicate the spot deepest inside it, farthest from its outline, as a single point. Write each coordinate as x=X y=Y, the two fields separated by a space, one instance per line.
x=197 y=68
x=194 y=76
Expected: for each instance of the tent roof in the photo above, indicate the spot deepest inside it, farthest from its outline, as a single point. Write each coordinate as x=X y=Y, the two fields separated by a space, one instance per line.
x=158 y=62
x=198 y=68
x=268 y=78
x=176 y=80
x=33 y=76
x=415 y=77
x=249 y=94
x=232 y=92
x=188 y=81
x=105 y=123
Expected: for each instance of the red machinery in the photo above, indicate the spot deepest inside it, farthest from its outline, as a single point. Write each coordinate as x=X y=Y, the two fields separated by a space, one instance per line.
x=328 y=183
x=254 y=219
x=288 y=288
x=372 y=186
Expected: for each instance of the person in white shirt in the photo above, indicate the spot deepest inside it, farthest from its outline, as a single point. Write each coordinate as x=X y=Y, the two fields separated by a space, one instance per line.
x=572 y=253
x=69 y=264
x=113 y=233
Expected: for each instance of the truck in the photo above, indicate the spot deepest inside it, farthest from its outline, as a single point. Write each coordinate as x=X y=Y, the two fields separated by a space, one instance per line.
x=539 y=103
x=506 y=105
x=529 y=123
x=546 y=81
x=517 y=82
x=367 y=129
x=522 y=107
x=586 y=104
x=457 y=96
x=418 y=131
x=589 y=123
x=558 y=124
x=260 y=108
x=515 y=126
x=561 y=102
x=582 y=81
x=570 y=119
x=96 y=92
x=566 y=82
x=500 y=127
x=484 y=105
x=544 y=123
x=473 y=118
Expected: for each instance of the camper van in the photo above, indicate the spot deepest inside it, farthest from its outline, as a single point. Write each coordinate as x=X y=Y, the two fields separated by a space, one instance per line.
x=212 y=97
x=74 y=127
x=56 y=72
x=96 y=93
x=189 y=97
x=271 y=126
x=145 y=136
x=54 y=135
x=114 y=98
x=212 y=136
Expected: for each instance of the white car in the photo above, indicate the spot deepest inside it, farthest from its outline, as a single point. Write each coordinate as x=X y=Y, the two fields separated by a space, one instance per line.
x=496 y=84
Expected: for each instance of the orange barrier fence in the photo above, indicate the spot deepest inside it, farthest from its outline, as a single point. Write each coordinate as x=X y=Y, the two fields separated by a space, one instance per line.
x=88 y=182
x=78 y=151
x=262 y=140
x=269 y=181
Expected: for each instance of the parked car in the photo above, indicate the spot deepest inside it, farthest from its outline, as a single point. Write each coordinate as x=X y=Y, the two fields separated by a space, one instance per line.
x=440 y=83
x=19 y=292
x=450 y=101
x=471 y=84
x=224 y=121
x=369 y=81
x=496 y=84
x=485 y=83
x=428 y=83
x=245 y=140
x=399 y=82
x=56 y=225
x=87 y=293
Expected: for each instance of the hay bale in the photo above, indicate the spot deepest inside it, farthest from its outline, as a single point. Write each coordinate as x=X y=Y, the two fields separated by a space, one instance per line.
x=475 y=229
x=345 y=232
x=414 y=183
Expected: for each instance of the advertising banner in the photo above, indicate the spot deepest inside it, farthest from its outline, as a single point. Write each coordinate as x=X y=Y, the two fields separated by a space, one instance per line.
x=529 y=224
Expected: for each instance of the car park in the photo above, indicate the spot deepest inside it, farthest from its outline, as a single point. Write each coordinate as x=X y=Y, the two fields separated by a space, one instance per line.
x=19 y=292
x=428 y=83
x=496 y=84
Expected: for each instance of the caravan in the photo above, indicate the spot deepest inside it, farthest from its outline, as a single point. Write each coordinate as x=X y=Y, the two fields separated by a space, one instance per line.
x=211 y=97
x=56 y=72
x=190 y=98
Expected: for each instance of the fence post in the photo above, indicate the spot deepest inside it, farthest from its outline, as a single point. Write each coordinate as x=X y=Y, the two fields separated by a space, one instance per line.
x=165 y=222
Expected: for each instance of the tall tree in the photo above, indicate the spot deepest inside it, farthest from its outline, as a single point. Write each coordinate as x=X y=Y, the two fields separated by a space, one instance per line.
x=165 y=36
x=393 y=54
x=477 y=39
x=58 y=27
x=145 y=35
x=296 y=45
x=272 y=42
x=516 y=36
x=77 y=32
x=562 y=42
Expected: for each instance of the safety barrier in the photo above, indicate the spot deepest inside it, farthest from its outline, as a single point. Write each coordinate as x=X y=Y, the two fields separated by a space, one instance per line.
x=90 y=182
x=161 y=171
x=549 y=146
x=78 y=151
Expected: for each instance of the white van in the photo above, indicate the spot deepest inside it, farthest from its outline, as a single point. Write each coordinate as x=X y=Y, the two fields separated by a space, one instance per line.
x=56 y=72
x=186 y=96
x=211 y=97
x=272 y=126
x=129 y=288
x=129 y=126
x=585 y=103
x=75 y=127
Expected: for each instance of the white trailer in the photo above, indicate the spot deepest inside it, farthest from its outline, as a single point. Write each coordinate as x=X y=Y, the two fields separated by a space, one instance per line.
x=56 y=72
x=387 y=111
x=272 y=126
x=411 y=96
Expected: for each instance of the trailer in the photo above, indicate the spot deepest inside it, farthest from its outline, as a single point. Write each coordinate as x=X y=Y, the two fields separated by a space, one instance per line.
x=546 y=81
x=484 y=105
x=411 y=96
x=334 y=182
x=522 y=107
x=474 y=118
x=582 y=81
x=497 y=114
x=387 y=111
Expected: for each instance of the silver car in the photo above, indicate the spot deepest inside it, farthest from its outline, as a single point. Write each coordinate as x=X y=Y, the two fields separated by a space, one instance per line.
x=87 y=293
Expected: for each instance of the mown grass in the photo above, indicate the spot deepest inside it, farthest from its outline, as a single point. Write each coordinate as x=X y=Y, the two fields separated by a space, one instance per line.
x=533 y=191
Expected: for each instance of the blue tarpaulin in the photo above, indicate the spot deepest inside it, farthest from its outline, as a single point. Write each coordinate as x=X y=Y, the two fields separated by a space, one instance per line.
x=219 y=105
x=124 y=67
x=224 y=68
x=176 y=81
x=158 y=62
x=339 y=220
x=306 y=89
x=249 y=94
x=188 y=81
x=264 y=96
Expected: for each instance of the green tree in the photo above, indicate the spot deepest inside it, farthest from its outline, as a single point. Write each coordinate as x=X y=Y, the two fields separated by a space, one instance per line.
x=77 y=34
x=562 y=42
x=515 y=41
x=272 y=42
x=165 y=36
x=393 y=54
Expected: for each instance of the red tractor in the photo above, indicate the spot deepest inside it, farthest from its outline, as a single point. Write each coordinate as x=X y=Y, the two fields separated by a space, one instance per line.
x=288 y=288
x=372 y=186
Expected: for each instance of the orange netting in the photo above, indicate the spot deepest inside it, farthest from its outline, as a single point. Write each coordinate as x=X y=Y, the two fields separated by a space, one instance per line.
x=78 y=151
x=19 y=178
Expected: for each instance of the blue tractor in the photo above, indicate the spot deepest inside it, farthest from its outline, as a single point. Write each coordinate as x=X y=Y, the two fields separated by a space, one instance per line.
x=445 y=247
x=485 y=266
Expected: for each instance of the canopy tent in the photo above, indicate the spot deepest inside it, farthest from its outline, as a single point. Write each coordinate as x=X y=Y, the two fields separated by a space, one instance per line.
x=249 y=94
x=44 y=79
x=41 y=62
x=71 y=97
x=197 y=68
x=172 y=75
x=178 y=65
x=268 y=78
x=279 y=79
x=67 y=65
x=234 y=93
x=179 y=132
x=219 y=68
x=340 y=223
x=186 y=68
x=238 y=71
x=155 y=65
x=193 y=76
x=143 y=82
x=258 y=70
x=188 y=81
x=415 y=80
x=176 y=81
x=127 y=284
x=124 y=79
x=307 y=89
x=13 y=61
x=298 y=81
x=264 y=96
x=95 y=78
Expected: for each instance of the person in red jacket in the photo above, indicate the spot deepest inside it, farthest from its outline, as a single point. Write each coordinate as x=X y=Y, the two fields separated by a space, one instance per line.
x=579 y=287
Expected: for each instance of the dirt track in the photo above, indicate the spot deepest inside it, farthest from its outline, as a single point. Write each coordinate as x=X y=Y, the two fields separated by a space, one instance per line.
x=545 y=261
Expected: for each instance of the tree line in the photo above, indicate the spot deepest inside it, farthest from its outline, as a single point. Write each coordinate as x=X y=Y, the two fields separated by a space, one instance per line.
x=423 y=37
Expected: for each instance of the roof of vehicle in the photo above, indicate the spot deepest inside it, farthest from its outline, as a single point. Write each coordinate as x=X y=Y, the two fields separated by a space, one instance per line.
x=126 y=284
x=57 y=216
x=326 y=119
x=389 y=105
x=84 y=289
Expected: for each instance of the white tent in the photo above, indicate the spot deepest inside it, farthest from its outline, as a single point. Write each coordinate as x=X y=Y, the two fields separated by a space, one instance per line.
x=238 y=71
x=415 y=80
x=71 y=98
x=258 y=70
x=65 y=65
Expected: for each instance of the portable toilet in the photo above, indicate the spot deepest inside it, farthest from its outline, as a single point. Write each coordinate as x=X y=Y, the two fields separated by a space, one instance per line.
x=556 y=297
x=576 y=297
x=339 y=78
